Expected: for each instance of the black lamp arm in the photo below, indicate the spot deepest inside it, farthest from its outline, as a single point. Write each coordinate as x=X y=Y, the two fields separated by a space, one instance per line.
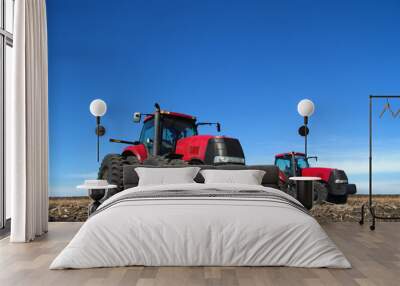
x=124 y=141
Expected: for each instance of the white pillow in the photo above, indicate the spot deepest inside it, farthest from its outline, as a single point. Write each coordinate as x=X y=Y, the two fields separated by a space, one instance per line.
x=248 y=177
x=166 y=176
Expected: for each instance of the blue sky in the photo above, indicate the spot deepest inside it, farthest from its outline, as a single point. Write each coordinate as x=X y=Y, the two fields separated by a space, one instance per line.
x=243 y=63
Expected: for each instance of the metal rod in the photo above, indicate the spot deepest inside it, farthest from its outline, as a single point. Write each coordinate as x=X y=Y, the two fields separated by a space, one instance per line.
x=124 y=141
x=157 y=131
x=305 y=137
x=98 y=137
x=98 y=147
x=370 y=151
x=384 y=96
x=305 y=145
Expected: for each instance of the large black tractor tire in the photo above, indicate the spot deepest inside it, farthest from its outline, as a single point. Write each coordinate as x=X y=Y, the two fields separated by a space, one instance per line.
x=111 y=170
x=163 y=161
x=339 y=200
x=289 y=188
x=177 y=162
x=132 y=160
x=285 y=186
x=320 y=193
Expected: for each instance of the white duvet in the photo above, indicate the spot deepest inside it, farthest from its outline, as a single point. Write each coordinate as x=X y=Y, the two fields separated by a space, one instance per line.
x=200 y=231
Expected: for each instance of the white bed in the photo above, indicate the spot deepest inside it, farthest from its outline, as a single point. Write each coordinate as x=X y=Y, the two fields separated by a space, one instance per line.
x=185 y=230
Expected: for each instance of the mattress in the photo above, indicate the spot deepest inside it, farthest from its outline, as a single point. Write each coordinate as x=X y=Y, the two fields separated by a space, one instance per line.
x=201 y=225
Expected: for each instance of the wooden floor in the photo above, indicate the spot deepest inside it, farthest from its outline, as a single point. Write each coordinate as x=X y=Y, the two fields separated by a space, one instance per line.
x=375 y=257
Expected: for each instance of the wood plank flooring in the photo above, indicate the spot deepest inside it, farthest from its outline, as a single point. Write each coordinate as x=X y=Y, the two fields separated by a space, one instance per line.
x=375 y=257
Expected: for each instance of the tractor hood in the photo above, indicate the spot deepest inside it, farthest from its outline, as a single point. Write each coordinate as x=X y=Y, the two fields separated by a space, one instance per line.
x=335 y=178
x=323 y=173
x=212 y=150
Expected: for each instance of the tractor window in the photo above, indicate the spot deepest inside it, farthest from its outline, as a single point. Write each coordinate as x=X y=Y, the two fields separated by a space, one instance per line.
x=147 y=135
x=302 y=163
x=174 y=129
x=179 y=128
x=284 y=165
x=168 y=141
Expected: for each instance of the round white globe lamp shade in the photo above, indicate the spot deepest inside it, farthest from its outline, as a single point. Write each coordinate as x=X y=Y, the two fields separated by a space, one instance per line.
x=98 y=107
x=305 y=107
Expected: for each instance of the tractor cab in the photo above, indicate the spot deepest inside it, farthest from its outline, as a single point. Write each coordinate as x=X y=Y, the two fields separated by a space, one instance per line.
x=291 y=164
x=173 y=126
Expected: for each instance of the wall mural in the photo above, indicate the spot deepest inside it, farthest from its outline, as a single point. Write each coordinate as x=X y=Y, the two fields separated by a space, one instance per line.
x=241 y=71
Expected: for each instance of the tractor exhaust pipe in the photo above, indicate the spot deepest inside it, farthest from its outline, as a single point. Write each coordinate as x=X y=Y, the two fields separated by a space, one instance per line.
x=157 y=130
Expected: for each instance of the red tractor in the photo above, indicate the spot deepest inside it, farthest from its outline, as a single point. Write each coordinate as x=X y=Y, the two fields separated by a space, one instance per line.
x=333 y=187
x=170 y=138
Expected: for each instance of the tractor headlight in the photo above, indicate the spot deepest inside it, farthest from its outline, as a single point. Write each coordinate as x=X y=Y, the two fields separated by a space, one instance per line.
x=338 y=181
x=228 y=159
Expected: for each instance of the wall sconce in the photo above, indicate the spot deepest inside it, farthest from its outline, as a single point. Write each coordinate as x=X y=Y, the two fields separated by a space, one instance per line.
x=98 y=108
x=305 y=108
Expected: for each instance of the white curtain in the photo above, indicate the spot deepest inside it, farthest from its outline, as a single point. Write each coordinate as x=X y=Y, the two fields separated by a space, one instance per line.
x=27 y=123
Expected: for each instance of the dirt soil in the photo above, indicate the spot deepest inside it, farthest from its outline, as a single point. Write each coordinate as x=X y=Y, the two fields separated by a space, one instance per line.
x=75 y=209
x=388 y=206
x=68 y=208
